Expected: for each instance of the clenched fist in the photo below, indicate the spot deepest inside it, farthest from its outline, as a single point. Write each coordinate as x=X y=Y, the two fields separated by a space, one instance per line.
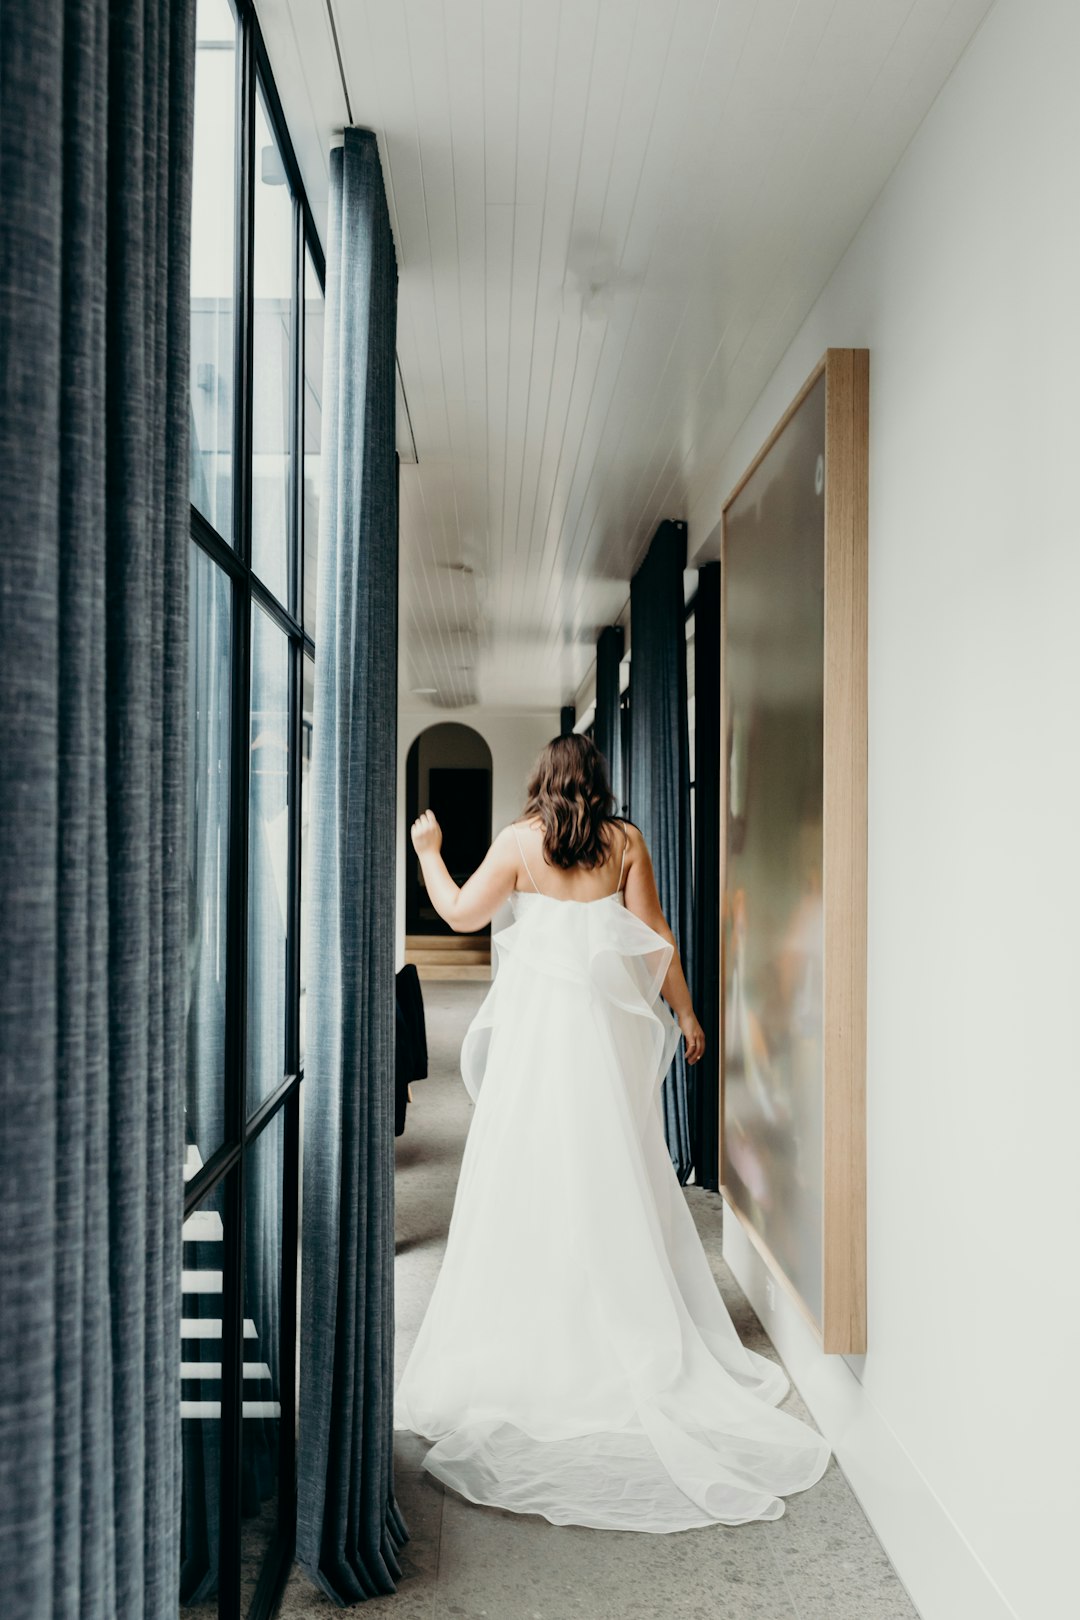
x=426 y=833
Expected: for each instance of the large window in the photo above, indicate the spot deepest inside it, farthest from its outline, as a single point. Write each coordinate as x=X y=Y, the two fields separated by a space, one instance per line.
x=256 y=415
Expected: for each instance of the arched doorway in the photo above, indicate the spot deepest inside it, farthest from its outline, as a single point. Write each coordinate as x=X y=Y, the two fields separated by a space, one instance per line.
x=448 y=770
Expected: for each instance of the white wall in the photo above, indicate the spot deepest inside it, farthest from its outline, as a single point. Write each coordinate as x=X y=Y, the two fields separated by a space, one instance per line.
x=959 y=1427
x=514 y=739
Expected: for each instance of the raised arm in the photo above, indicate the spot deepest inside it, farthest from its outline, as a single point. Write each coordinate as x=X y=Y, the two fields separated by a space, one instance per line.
x=475 y=903
x=643 y=900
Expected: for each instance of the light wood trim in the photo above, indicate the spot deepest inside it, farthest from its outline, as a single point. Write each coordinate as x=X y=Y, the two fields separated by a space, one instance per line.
x=844 y=872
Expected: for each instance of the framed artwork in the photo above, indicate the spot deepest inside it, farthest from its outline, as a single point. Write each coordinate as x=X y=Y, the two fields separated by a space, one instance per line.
x=793 y=849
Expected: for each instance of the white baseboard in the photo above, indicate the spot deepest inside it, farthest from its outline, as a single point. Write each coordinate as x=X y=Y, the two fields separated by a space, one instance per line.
x=944 y=1578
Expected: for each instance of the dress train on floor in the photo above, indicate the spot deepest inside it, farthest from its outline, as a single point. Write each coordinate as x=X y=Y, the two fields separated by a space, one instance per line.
x=576 y=1359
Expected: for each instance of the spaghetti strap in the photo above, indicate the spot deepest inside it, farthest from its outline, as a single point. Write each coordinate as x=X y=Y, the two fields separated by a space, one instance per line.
x=622 y=863
x=525 y=863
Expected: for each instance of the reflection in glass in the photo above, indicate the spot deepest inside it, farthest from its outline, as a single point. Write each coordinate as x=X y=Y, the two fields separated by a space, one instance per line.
x=262 y=1364
x=307 y=733
x=209 y=671
x=200 y=1404
x=271 y=416
x=268 y=858
x=212 y=263
x=773 y=920
x=313 y=372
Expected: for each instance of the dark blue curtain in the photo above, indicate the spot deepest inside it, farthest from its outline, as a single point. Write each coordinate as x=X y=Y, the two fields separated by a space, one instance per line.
x=95 y=151
x=607 y=725
x=706 y=952
x=660 y=787
x=349 y=1528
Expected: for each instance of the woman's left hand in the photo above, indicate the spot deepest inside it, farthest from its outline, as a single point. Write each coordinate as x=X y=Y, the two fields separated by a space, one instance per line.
x=426 y=833
x=694 y=1036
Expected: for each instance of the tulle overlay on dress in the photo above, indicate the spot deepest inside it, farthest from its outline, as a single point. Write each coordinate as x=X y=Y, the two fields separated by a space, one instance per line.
x=577 y=1359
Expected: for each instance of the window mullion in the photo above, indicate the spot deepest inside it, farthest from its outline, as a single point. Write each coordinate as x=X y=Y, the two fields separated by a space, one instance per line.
x=232 y=1303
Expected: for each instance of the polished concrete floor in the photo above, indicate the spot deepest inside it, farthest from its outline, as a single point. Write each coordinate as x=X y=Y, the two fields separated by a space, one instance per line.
x=820 y=1561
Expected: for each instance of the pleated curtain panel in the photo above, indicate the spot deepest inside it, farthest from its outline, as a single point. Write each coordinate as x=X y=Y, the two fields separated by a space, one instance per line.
x=660 y=782
x=349 y=1528
x=607 y=726
x=95 y=147
x=706 y=952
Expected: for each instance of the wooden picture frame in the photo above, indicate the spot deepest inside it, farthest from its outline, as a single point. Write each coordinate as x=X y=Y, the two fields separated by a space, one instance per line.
x=778 y=758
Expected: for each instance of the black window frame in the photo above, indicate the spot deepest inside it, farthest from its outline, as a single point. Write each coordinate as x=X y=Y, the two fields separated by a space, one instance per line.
x=225 y=1167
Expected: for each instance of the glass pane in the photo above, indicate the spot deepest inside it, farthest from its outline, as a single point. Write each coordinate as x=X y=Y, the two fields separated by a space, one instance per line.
x=313 y=374
x=773 y=919
x=268 y=858
x=272 y=378
x=200 y=1405
x=262 y=1362
x=209 y=681
x=212 y=263
x=305 y=820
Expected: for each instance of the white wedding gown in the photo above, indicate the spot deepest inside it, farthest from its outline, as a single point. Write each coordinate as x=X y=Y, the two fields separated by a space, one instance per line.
x=576 y=1359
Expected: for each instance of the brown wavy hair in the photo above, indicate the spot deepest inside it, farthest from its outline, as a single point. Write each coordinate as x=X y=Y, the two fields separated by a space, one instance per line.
x=570 y=793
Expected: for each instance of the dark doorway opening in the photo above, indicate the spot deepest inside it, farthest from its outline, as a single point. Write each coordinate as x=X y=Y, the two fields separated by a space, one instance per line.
x=448 y=770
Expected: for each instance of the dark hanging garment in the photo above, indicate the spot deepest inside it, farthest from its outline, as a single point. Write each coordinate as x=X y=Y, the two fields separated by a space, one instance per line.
x=706 y=953
x=411 y=1060
x=660 y=799
x=96 y=155
x=349 y=1528
x=411 y=999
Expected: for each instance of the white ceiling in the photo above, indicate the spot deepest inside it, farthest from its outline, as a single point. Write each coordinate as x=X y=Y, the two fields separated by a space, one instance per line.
x=611 y=217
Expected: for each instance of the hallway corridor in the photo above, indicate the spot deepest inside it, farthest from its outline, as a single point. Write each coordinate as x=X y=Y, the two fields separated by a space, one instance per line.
x=594 y=475
x=820 y=1561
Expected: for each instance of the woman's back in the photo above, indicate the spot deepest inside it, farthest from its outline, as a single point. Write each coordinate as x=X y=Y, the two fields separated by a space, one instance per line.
x=576 y=882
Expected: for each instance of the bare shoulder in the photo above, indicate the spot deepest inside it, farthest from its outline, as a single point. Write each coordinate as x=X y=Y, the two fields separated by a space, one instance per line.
x=505 y=851
x=635 y=842
x=517 y=833
x=637 y=850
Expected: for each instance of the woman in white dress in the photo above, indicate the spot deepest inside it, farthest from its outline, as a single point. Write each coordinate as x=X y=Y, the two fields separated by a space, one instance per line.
x=576 y=1359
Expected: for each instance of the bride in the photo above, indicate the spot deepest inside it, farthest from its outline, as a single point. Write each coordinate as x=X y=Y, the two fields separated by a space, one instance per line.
x=576 y=1359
